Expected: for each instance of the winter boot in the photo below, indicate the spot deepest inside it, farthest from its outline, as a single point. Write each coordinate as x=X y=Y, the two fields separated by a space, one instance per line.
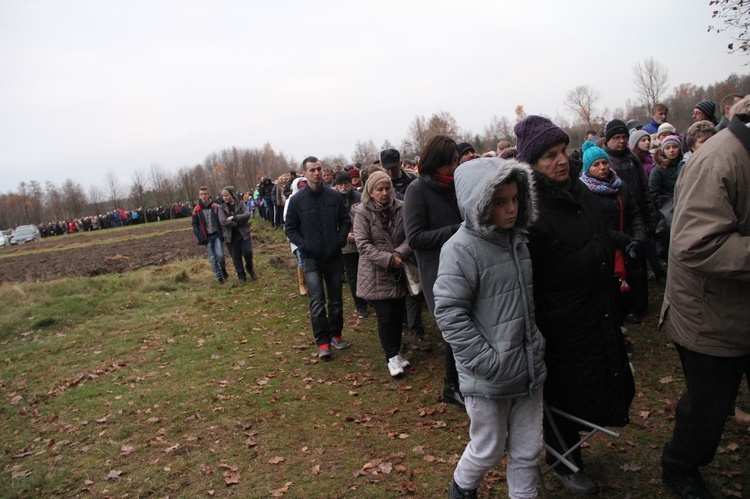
x=302 y=283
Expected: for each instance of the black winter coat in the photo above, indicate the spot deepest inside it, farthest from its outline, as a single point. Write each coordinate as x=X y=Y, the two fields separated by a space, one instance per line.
x=431 y=217
x=318 y=223
x=634 y=228
x=572 y=256
x=629 y=168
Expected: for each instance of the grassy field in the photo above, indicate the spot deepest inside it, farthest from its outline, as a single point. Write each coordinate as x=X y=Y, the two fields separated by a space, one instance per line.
x=158 y=382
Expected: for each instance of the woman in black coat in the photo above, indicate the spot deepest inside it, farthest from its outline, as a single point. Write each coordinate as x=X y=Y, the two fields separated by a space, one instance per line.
x=572 y=256
x=627 y=229
x=431 y=217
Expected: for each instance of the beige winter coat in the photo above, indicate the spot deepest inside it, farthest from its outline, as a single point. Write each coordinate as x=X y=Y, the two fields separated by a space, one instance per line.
x=707 y=299
x=376 y=280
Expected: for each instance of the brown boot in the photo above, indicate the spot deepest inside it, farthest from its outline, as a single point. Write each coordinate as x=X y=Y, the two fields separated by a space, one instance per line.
x=302 y=283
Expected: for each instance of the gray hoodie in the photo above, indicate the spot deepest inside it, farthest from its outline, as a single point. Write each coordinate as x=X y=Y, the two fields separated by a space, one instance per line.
x=483 y=293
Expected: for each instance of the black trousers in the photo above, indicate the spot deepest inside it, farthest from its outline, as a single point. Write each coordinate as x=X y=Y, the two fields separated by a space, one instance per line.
x=390 y=313
x=712 y=384
x=351 y=262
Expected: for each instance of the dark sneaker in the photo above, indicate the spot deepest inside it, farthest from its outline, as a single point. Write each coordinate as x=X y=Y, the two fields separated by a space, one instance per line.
x=242 y=281
x=452 y=395
x=686 y=486
x=456 y=492
x=251 y=272
x=420 y=344
x=224 y=274
x=632 y=319
x=339 y=343
x=362 y=313
x=220 y=280
x=578 y=482
x=324 y=352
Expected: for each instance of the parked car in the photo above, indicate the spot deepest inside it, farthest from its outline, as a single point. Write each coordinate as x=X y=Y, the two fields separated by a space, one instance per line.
x=24 y=234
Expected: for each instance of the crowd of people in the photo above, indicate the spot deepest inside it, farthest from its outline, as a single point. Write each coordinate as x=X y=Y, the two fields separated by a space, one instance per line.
x=116 y=218
x=531 y=260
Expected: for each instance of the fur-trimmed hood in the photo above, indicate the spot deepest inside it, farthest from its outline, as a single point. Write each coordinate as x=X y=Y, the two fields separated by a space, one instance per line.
x=476 y=181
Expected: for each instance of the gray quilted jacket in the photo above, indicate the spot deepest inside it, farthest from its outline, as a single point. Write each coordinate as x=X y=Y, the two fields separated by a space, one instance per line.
x=376 y=280
x=484 y=303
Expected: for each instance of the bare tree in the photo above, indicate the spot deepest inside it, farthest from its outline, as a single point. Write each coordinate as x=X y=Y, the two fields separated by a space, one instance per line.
x=650 y=78
x=74 y=197
x=443 y=123
x=114 y=189
x=365 y=153
x=416 y=137
x=734 y=16
x=96 y=196
x=581 y=101
x=138 y=188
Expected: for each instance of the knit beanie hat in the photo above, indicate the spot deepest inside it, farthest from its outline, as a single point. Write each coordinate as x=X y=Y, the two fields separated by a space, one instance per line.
x=374 y=179
x=353 y=173
x=342 y=177
x=590 y=154
x=708 y=108
x=230 y=190
x=671 y=139
x=633 y=124
x=665 y=127
x=636 y=137
x=536 y=134
x=463 y=148
x=615 y=127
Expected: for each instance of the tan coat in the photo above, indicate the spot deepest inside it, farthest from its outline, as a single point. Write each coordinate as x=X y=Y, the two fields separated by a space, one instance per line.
x=707 y=299
x=375 y=279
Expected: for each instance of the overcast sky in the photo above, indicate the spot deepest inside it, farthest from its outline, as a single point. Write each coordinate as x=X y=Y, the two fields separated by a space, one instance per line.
x=92 y=86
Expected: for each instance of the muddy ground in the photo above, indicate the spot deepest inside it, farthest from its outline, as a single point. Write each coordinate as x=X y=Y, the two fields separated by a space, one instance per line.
x=99 y=252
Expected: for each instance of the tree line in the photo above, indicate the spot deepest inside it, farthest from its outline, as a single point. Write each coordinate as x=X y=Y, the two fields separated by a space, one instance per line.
x=37 y=202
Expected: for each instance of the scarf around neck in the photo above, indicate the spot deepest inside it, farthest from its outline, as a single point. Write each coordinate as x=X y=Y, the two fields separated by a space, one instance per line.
x=611 y=186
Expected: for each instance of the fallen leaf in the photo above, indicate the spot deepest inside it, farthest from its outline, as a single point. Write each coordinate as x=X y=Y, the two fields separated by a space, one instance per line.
x=283 y=490
x=666 y=380
x=315 y=469
x=20 y=474
x=88 y=482
x=102 y=420
x=231 y=477
x=172 y=448
x=276 y=460
x=125 y=450
x=629 y=467
x=201 y=342
x=114 y=474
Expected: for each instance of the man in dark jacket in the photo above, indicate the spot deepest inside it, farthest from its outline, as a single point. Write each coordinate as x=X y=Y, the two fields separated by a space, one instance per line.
x=207 y=230
x=318 y=223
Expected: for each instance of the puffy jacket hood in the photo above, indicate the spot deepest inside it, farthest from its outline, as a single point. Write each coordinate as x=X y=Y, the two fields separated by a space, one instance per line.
x=476 y=181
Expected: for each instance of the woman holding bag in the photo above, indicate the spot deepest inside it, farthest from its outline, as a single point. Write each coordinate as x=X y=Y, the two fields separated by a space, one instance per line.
x=381 y=242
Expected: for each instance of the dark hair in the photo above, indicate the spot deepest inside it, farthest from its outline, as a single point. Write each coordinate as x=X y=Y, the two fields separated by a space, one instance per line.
x=439 y=151
x=728 y=100
x=309 y=159
x=202 y=188
x=659 y=107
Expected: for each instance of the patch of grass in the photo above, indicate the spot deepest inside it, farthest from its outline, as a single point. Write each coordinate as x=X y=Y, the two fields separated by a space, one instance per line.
x=162 y=382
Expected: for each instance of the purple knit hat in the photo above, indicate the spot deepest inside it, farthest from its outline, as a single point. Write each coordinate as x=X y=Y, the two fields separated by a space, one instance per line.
x=536 y=134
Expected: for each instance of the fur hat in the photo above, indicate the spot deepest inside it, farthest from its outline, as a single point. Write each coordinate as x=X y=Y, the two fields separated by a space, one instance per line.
x=592 y=153
x=615 y=127
x=230 y=190
x=536 y=134
x=635 y=137
x=665 y=127
x=708 y=108
x=671 y=139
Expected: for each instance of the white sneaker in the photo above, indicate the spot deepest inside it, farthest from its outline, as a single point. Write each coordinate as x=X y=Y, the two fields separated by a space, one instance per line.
x=404 y=363
x=394 y=366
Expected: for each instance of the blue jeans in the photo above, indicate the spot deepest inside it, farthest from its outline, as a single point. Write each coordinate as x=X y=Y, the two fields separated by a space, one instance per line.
x=331 y=273
x=215 y=250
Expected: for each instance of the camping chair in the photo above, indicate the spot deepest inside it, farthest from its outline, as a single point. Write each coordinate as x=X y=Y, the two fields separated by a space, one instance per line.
x=563 y=458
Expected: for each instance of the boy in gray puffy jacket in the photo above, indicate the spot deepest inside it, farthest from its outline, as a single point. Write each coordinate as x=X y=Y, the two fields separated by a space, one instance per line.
x=484 y=307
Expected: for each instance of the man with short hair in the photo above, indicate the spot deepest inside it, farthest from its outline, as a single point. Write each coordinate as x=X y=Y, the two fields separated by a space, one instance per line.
x=328 y=176
x=726 y=104
x=318 y=223
x=658 y=116
x=503 y=145
x=342 y=182
x=705 y=302
x=466 y=152
x=208 y=232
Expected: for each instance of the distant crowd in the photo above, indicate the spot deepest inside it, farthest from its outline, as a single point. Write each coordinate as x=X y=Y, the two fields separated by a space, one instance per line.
x=116 y=218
